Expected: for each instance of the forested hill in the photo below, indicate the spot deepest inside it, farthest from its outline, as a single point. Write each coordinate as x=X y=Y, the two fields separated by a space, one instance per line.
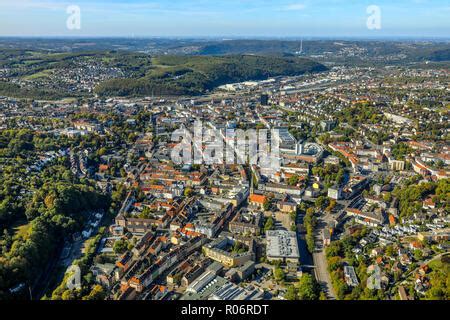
x=193 y=75
x=437 y=55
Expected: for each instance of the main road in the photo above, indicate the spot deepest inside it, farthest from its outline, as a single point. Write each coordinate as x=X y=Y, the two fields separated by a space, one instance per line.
x=320 y=261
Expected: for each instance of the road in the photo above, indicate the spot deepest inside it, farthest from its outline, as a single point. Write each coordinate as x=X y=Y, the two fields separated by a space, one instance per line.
x=319 y=258
x=41 y=284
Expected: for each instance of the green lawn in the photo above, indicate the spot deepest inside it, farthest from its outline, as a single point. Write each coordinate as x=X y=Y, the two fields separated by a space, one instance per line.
x=22 y=231
x=436 y=264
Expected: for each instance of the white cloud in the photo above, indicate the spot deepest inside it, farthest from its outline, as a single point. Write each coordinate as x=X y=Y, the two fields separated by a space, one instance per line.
x=293 y=7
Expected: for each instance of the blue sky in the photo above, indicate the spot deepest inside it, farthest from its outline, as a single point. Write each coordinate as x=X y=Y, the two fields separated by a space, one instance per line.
x=226 y=18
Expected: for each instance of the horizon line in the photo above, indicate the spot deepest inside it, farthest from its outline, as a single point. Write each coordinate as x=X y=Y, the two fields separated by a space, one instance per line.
x=226 y=37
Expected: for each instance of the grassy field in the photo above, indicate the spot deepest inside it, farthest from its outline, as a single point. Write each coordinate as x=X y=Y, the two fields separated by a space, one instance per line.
x=38 y=75
x=22 y=231
x=437 y=263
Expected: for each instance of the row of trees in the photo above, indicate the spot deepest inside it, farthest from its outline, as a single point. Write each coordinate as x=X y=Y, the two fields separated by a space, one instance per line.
x=306 y=288
x=310 y=222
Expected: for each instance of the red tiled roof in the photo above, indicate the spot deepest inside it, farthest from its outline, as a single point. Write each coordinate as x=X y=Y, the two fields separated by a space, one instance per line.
x=256 y=198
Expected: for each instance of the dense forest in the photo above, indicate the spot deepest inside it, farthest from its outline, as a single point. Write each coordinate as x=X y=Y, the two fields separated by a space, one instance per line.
x=53 y=215
x=38 y=210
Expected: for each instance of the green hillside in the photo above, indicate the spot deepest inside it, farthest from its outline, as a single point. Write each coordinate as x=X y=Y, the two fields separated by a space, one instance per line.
x=193 y=75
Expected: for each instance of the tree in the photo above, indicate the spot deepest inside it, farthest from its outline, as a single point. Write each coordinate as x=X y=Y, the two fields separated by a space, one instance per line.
x=400 y=150
x=120 y=246
x=291 y=293
x=146 y=213
x=102 y=151
x=418 y=255
x=188 y=192
x=269 y=224
x=293 y=180
x=49 y=200
x=278 y=274
x=331 y=205
x=97 y=293
x=68 y=295
x=340 y=175
x=308 y=288
x=387 y=197
x=310 y=242
x=334 y=263
x=440 y=281
x=266 y=204
x=389 y=251
x=310 y=223
x=321 y=202
x=238 y=247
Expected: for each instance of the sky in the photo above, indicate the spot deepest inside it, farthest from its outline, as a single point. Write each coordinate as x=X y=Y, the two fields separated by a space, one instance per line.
x=225 y=18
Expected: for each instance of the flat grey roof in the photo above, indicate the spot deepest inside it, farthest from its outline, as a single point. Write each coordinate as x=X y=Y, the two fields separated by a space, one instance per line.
x=282 y=244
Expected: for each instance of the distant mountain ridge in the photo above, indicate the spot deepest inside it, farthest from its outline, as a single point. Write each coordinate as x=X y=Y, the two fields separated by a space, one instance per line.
x=412 y=51
x=438 y=55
